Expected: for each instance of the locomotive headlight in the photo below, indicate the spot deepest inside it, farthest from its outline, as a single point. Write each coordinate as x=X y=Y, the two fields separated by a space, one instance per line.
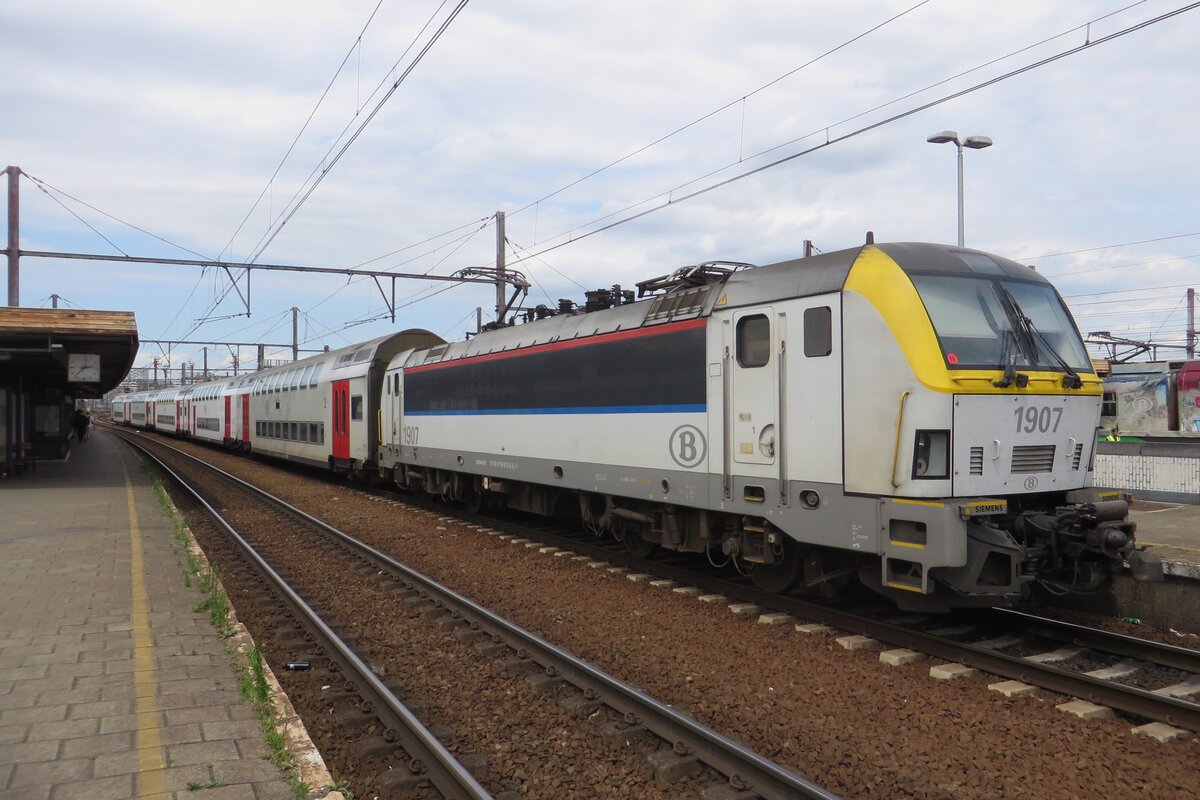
x=931 y=455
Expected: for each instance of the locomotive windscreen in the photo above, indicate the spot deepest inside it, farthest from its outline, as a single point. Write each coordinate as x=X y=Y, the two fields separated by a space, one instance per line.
x=648 y=370
x=995 y=322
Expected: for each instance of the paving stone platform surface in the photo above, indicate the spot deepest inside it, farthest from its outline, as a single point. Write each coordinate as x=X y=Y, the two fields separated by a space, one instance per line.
x=111 y=686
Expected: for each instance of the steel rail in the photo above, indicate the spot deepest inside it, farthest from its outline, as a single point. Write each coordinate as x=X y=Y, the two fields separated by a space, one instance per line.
x=1166 y=655
x=444 y=772
x=1129 y=699
x=744 y=768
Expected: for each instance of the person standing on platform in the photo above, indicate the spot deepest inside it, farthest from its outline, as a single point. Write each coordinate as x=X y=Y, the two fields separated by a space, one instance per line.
x=80 y=423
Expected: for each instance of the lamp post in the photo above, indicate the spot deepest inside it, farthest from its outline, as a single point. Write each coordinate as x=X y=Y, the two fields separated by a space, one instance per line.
x=972 y=142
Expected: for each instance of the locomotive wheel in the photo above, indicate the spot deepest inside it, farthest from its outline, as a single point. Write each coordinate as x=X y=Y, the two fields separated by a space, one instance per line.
x=637 y=546
x=782 y=575
x=474 y=499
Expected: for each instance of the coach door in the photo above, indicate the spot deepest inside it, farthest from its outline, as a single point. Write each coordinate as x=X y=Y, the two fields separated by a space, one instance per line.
x=341 y=419
x=752 y=397
x=228 y=416
x=246 y=418
x=393 y=408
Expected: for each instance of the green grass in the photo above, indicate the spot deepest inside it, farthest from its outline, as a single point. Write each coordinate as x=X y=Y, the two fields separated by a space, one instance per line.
x=195 y=786
x=251 y=669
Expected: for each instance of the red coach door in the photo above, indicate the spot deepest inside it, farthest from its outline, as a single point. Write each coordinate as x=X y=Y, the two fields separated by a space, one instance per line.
x=228 y=405
x=341 y=419
x=246 y=419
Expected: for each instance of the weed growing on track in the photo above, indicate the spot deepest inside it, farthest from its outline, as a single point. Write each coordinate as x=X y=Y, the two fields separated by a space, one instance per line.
x=250 y=670
x=216 y=601
x=252 y=680
x=257 y=672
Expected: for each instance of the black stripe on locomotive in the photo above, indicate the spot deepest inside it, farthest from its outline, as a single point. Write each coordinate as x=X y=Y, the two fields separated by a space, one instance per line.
x=645 y=373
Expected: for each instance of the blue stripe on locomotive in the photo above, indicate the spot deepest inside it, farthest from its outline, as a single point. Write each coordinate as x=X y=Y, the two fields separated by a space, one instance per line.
x=652 y=373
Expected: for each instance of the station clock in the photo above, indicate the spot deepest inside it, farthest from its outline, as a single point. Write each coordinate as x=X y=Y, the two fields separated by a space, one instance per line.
x=83 y=368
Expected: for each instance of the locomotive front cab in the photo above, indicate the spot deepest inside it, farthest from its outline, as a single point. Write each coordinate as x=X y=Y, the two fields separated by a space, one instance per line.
x=994 y=428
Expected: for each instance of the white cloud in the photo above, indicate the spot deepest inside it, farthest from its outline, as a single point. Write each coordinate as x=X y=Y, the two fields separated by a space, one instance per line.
x=174 y=116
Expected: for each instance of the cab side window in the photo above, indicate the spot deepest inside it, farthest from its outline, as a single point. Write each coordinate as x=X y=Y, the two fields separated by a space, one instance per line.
x=754 y=341
x=818 y=332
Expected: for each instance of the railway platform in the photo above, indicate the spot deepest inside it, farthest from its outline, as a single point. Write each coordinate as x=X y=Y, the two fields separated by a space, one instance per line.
x=111 y=684
x=1172 y=530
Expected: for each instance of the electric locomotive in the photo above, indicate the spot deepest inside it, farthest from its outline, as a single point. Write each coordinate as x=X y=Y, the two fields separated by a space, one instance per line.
x=921 y=418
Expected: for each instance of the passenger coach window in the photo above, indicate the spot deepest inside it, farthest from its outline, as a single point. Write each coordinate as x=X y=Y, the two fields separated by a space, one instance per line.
x=818 y=332
x=356 y=411
x=754 y=341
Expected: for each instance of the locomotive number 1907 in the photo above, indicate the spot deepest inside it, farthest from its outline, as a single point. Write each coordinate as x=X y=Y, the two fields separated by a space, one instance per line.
x=1037 y=419
x=411 y=434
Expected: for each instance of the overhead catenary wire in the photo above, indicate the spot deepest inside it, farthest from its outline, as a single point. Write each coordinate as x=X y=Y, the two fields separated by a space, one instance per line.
x=357 y=44
x=44 y=186
x=1127 y=291
x=1119 y=301
x=49 y=191
x=1094 y=270
x=637 y=151
x=295 y=206
x=825 y=129
x=671 y=200
x=716 y=111
x=1044 y=256
x=561 y=274
x=537 y=203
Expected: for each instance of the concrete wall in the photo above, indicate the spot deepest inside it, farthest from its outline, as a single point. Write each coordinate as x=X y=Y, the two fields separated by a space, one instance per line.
x=1168 y=471
x=1173 y=603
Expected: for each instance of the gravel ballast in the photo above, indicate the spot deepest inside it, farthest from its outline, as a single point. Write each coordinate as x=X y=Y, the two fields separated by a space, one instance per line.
x=841 y=719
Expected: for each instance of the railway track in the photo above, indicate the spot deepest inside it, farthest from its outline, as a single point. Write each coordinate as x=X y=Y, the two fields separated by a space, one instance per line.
x=372 y=707
x=1039 y=651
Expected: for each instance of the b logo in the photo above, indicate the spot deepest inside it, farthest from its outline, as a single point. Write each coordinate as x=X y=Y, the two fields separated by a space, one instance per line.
x=1031 y=483
x=688 y=447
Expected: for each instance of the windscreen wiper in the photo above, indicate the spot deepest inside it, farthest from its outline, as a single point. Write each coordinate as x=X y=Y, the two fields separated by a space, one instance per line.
x=1071 y=379
x=1021 y=336
x=1031 y=335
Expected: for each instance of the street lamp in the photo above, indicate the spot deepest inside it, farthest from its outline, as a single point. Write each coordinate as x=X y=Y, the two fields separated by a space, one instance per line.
x=972 y=142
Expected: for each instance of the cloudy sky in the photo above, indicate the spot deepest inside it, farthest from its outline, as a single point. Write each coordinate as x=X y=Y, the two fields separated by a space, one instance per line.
x=195 y=123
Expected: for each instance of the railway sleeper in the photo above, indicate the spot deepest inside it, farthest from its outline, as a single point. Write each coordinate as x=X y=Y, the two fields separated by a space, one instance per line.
x=376 y=747
x=543 y=683
x=518 y=664
x=490 y=649
x=670 y=766
x=393 y=782
x=580 y=705
x=629 y=734
x=357 y=720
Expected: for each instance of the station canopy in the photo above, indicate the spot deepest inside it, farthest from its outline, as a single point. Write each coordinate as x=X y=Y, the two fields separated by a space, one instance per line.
x=82 y=353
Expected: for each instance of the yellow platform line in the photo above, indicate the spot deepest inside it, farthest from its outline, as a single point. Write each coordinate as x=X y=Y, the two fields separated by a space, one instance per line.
x=1172 y=546
x=148 y=745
